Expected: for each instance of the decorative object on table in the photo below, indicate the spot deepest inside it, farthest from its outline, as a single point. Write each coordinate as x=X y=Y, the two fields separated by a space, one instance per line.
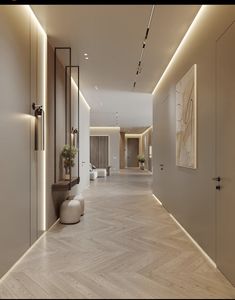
x=68 y=154
x=141 y=160
x=70 y=211
x=186 y=100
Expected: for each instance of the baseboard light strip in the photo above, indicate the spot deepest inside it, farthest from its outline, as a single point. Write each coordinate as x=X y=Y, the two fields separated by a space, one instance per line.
x=194 y=242
x=210 y=260
x=26 y=252
x=159 y=202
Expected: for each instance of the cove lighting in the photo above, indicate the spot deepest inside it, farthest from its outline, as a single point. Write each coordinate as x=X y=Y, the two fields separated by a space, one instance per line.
x=105 y=127
x=139 y=135
x=80 y=93
x=44 y=67
x=191 y=27
x=147 y=130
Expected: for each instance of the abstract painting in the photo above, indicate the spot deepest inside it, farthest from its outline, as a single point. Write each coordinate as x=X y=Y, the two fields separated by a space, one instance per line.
x=186 y=120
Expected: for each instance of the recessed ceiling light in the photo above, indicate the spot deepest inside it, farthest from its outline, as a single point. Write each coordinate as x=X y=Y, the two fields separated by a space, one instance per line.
x=86 y=57
x=85 y=54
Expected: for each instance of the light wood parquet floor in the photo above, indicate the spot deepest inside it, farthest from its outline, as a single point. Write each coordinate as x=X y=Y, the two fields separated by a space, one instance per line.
x=125 y=247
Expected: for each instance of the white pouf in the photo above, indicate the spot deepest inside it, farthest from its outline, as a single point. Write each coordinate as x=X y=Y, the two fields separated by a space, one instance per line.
x=70 y=211
x=80 y=198
x=101 y=172
x=93 y=175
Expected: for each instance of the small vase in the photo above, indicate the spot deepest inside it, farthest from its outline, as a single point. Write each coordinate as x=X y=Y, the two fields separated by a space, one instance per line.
x=66 y=175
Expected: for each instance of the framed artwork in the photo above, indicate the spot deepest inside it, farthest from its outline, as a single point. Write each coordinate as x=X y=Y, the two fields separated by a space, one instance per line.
x=186 y=120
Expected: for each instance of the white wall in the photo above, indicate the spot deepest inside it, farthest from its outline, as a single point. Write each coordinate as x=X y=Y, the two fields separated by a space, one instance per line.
x=84 y=142
x=114 y=144
x=84 y=138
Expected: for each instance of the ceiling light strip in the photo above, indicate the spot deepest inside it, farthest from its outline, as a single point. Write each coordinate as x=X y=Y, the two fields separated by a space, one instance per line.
x=191 y=27
x=147 y=130
x=44 y=102
x=80 y=93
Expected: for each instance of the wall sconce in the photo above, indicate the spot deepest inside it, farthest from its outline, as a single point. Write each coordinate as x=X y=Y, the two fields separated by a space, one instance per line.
x=150 y=151
x=74 y=133
x=39 y=127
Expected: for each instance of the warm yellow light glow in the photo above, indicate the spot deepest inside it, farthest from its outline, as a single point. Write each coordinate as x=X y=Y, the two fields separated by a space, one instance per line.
x=39 y=26
x=44 y=68
x=80 y=93
x=194 y=242
x=174 y=57
x=133 y=135
x=147 y=130
x=24 y=255
x=104 y=128
x=159 y=202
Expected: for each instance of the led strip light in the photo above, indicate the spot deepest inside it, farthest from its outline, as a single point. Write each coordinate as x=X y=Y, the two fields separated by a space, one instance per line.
x=44 y=35
x=191 y=27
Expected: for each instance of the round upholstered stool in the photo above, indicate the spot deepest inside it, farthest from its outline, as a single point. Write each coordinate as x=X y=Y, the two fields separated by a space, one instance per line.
x=81 y=199
x=70 y=211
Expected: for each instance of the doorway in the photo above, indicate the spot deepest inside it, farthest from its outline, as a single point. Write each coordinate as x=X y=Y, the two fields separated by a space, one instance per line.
x=132 y=152
x=99 y=151
x=225 y=153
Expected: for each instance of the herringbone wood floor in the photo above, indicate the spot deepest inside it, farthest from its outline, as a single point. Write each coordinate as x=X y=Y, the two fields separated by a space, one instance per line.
x=126 y=246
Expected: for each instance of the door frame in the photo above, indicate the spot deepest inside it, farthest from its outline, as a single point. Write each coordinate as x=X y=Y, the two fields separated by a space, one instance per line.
x=126 y=146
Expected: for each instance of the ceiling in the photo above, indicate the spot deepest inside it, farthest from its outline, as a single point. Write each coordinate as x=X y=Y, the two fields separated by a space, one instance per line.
x=112 y=36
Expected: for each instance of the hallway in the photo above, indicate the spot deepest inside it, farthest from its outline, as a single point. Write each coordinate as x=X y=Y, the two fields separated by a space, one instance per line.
x=126 y=246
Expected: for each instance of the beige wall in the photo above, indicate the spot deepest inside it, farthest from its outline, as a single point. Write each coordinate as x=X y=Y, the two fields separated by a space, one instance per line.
x=190 y=194
x=21 y=83
x=114 y=144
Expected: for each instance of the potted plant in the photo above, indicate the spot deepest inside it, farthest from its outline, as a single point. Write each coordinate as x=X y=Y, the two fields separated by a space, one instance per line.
x=68 y=154
x=141 y=161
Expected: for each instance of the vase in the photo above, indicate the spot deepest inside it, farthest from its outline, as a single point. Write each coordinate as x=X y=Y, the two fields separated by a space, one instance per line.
x=66 y=175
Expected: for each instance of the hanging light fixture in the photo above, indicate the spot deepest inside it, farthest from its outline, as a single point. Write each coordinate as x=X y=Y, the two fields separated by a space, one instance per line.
x=39 y=127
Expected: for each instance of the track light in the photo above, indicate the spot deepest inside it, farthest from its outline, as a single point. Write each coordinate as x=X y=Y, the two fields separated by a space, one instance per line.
x=39 y=127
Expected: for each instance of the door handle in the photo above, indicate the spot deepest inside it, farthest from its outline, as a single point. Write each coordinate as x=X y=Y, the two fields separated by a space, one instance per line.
x=216 y=178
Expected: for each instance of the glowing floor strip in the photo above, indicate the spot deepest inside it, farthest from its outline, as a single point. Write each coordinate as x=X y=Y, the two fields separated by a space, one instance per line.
x=27 y=252
x=188 y=235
